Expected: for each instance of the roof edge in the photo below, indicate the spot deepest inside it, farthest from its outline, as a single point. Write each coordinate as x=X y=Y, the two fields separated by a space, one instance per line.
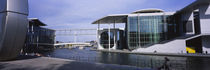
x=148 y=10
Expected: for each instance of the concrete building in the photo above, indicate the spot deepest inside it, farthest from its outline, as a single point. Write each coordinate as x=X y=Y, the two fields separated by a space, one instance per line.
x=153 y=30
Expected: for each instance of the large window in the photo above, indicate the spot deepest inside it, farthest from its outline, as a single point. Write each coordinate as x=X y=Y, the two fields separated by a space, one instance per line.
x=133 y=32
x=151 y=29
x=145 y=30
x=104 y=40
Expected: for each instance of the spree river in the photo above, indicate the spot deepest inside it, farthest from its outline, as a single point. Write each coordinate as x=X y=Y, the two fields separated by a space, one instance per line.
x=142 y=61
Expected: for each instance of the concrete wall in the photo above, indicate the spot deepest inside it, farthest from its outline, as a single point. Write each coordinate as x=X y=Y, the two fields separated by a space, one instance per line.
x=204 y=11
x=175 y=46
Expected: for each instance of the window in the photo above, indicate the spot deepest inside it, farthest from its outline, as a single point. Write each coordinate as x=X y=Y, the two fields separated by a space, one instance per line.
x=145 y=30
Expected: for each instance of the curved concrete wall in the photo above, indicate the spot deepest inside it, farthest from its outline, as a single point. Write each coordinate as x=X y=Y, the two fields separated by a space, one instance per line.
x=174 y=46
x=13 y=27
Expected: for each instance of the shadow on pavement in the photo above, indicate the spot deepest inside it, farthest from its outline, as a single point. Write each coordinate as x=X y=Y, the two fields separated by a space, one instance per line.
x=96 y=66
x=21 y=57
x=25 y=57
x=11 y=65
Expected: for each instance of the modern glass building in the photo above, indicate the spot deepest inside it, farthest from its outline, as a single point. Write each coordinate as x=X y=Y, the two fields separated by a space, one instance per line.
x=146 y=27
x=38 y=38
x=153 y=30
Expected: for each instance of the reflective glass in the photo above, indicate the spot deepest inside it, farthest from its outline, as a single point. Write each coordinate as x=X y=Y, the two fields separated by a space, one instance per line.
x=145 y=30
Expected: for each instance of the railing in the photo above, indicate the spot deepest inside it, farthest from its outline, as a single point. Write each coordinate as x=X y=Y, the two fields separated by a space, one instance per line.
x=76 y=32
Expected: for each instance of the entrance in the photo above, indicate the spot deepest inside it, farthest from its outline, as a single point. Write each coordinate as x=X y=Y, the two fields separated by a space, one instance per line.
x=104 y=40
x=194 y=45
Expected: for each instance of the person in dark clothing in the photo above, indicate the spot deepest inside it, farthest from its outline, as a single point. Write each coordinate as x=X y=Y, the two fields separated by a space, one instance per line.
x=165 y=65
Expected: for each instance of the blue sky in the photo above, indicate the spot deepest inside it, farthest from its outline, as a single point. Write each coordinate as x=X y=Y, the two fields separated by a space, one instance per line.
x=74 y=14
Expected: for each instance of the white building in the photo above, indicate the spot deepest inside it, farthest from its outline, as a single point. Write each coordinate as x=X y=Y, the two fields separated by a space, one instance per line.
x=153 y=30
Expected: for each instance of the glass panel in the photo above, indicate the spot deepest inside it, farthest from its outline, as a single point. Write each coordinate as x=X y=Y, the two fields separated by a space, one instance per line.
x=145 y=30
x=133 y=32
x=151 y=29
x=104 y=40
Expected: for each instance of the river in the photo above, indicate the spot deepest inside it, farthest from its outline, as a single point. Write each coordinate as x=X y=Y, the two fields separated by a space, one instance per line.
x=142 y=61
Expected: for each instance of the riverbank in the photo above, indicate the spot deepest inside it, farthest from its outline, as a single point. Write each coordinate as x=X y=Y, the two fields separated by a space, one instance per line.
x=47 y=63
x=156 y=54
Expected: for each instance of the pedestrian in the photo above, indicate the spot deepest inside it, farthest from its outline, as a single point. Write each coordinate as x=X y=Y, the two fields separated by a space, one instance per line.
x=165 y=65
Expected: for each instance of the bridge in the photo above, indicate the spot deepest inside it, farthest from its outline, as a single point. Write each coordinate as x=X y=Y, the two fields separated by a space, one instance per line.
x=76 y=33
x=73 y=44
x=14 y=22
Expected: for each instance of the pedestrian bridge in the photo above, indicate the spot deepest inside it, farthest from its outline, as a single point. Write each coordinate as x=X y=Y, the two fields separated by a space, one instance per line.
x=72 y=44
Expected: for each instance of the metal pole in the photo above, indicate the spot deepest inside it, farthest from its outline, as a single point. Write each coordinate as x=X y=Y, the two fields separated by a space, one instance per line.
x=109 y=37
x=98 y=26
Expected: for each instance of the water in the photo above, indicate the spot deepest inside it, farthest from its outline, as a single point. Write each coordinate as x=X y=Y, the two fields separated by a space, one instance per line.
x=142 y=61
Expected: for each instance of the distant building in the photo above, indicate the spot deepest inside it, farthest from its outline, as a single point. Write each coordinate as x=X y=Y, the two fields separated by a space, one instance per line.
x=38 y=38
x=153 y=30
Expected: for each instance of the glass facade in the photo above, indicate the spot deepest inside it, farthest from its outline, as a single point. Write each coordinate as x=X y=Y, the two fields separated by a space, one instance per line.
x=104 y=40
x=38 y=39
x=133 y=32
x=145 y=30
x=117 y=39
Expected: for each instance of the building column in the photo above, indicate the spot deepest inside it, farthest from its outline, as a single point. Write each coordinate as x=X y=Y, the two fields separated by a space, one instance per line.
x=109 y=37
x=193 y=23
x=204 y=13
x=115 y=46
x=97 y=35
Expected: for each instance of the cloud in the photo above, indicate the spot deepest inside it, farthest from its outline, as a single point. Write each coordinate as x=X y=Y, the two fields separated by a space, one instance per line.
x=54 y=12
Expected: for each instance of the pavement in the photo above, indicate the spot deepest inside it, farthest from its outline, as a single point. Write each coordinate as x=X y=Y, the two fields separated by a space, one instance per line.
x=47 y=63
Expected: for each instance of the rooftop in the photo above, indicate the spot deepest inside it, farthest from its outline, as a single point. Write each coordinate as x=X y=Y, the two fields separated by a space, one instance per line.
x=36 y=21
x=152 y=10
x=115 y=18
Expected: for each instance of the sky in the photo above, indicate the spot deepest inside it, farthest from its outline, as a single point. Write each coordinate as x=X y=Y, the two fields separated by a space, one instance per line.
x=77 y=14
